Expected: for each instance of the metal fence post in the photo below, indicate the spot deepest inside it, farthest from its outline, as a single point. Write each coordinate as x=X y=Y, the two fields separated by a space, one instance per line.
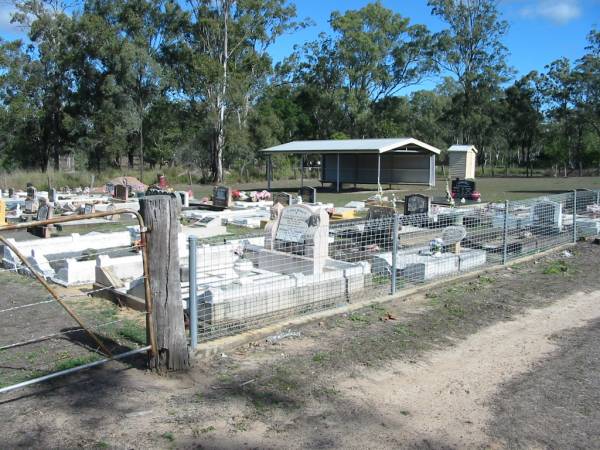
x=193 y=300
x=505 y=235
x=575 y=216
x=395 y=229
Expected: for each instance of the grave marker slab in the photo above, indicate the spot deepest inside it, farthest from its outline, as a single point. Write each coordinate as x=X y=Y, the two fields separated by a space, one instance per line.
x=463 y=188
x=546 y=215
x=308 y=194
x=121 y=192
x=221 y=196
x=304 y=230
x=52 y=197
x=416 y=204
x=283 y=198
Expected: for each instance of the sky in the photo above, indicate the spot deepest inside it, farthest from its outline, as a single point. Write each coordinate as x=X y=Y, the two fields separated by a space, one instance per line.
x=540 y=30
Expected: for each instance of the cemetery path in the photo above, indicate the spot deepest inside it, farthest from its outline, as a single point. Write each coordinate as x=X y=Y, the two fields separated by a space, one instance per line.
x=448 y=397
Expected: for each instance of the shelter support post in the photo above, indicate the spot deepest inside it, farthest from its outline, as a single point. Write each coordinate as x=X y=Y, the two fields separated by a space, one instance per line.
x=302 y=170
x=269 y=173
x=379 y=171
x=337 y=189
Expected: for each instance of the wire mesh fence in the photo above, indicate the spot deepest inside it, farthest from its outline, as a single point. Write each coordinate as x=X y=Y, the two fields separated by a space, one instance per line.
x=306 y=263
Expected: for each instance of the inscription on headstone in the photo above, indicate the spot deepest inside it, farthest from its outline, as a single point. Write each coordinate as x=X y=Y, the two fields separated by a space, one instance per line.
x=416 y=204
x=308 y=194
x=221 y=196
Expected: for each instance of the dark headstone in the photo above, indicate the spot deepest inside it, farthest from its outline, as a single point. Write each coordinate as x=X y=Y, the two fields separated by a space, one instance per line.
x=463 y=188
x=52 y=197
x=31 y=192
x=308 y=194
x=546 y=216
x=416 y=204
x=11 y=192
x=121 y=192
x=283 y=198
x=221 y=196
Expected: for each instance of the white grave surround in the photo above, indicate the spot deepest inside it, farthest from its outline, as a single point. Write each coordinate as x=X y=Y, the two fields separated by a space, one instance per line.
x=269 y=282
x=77 y=273
x=65 y=244
x=416 y=267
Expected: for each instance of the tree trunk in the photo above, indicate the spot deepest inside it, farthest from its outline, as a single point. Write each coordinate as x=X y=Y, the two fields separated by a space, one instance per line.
x=141 y=142
x=161 y=216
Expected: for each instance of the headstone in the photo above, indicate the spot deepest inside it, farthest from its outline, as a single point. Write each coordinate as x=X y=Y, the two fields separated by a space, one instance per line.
x=452 y=236
x=185 y=198
x=45 y=212
x=11 y=192
x=31 y=206
x=121 y=192
x=416 y=204
x=303 y=230
x=463 y=188
x=283 y=198
x=271 y=226
x=546 y=215
x=308 y=194
x=88 y=209
x=52 y=197
x=31 y=192
x=221 y=196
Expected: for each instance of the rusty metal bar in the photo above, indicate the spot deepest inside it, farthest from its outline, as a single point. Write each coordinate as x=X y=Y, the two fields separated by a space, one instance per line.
x=62 y=219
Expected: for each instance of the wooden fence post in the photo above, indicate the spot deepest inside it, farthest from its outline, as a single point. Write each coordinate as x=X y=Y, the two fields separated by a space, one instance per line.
x=161 y=216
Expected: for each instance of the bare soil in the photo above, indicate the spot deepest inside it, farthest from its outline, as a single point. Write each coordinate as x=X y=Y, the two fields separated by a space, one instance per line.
x=505 y=359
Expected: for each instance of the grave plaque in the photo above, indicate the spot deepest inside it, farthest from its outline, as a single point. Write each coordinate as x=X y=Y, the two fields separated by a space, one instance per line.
x=546 y=215
x=88 y=209
x=293 y=224
x=283 y=198
x=308 y=194
x=121 y=192
x=416 y=204
x=44 y=212
x=463 y=188
x=221 y=196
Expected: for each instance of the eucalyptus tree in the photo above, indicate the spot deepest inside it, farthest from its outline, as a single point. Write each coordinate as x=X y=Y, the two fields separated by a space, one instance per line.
x=219 y=55
x=471 y=50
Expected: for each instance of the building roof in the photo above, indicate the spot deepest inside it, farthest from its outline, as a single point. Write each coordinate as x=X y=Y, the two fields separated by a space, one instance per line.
x=462 y=148
x=352 y=146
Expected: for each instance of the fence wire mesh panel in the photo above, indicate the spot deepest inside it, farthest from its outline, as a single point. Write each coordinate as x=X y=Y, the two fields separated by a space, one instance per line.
x=268 y=275
x=77 y=320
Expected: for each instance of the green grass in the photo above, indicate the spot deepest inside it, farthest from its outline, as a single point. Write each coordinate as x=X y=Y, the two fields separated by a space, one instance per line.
x=133 y=331
x=558 y=267
x=168 y=436
x=74 y=362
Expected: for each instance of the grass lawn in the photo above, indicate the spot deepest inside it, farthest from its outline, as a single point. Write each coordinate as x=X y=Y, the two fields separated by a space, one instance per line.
x=492 y=189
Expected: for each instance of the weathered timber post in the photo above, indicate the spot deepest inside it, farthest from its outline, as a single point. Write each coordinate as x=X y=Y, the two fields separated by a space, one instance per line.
x=161 y=216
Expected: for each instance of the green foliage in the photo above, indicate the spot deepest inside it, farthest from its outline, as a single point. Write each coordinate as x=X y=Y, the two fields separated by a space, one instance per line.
x=558 y=267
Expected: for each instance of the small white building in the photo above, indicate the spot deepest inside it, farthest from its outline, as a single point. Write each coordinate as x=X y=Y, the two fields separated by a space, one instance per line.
x=461 y=161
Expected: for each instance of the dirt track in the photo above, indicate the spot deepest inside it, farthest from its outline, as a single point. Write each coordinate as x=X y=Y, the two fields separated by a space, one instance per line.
x=509 y=359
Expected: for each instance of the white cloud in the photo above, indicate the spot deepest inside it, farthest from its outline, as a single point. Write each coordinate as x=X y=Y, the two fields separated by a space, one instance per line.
x=6 y=11
x=558 y=11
